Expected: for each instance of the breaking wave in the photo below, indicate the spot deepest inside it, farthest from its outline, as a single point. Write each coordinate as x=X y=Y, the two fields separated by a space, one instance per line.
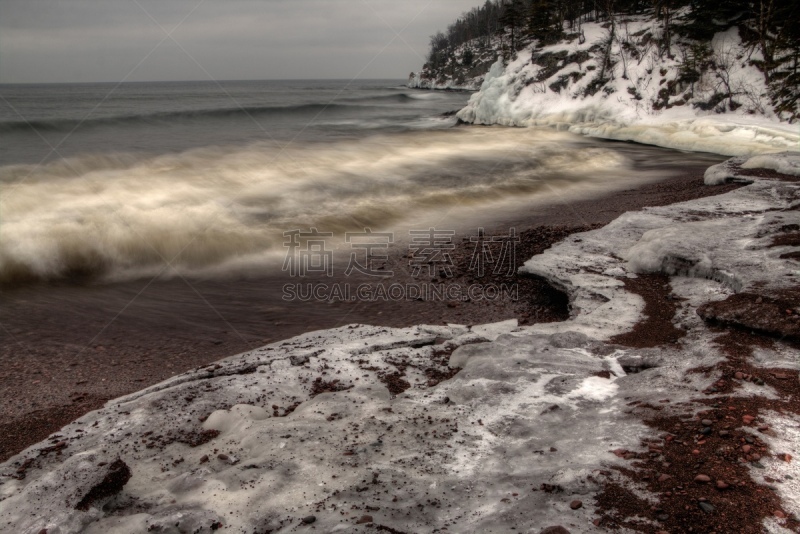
x=395 y=97
x=339 y=105
x=214 y=210
x=170 y=116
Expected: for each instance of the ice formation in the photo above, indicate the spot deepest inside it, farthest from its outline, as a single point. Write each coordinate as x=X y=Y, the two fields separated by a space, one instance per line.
x=565 y=86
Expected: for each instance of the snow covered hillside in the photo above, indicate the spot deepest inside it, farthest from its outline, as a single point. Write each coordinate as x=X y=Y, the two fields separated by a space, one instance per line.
x=489 y=428
x=611 y=81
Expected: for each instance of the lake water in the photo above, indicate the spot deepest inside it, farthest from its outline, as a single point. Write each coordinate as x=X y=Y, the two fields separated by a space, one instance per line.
x=113 y=182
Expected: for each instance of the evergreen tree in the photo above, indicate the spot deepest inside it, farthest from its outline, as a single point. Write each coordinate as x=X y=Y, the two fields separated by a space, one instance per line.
x=513 y=18
x=540 y=20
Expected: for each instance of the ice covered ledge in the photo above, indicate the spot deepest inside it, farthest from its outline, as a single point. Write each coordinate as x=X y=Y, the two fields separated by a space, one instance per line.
x=342 y=429
x=264 y=440
x=725 y=240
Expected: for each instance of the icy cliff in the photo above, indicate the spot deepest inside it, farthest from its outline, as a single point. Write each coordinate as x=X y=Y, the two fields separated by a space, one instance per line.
x=610 y=81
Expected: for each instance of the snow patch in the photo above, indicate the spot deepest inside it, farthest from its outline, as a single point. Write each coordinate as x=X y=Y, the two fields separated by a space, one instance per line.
x=595 y=388
x=787 y=473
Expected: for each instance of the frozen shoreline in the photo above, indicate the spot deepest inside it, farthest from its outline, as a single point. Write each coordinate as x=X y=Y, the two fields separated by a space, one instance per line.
x=307 y=427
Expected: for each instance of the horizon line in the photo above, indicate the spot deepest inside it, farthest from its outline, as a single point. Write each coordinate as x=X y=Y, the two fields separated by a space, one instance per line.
x=207 y=81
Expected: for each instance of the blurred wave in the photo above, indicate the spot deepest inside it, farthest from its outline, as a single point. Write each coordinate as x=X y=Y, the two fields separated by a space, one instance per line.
x=213 y=209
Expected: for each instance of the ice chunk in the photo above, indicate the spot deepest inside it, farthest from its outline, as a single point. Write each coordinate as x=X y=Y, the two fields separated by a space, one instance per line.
x=719 y=174
x=494 y=330
x=784 y=163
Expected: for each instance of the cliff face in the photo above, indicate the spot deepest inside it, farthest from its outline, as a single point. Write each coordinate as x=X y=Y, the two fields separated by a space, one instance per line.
x=463 y=69
x=617 y=62
x=611 y=81
x=615 y=79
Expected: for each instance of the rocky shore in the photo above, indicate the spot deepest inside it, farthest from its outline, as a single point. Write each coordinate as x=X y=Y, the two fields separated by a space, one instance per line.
x=55 y=369
x=664 y=400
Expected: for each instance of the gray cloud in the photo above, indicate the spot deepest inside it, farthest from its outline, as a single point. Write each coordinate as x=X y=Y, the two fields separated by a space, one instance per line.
x=111 y=40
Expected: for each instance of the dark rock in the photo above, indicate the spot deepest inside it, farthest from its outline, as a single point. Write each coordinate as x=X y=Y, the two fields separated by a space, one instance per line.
x=309 y=519
x=706 y=507
x=364 y=519
x=299 y=360
x=576 y=504
x=555 y=530
x=753 y=312
x=117 y=476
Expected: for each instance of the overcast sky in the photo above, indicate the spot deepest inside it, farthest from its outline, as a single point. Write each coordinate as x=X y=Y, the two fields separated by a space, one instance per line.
x=112 y=40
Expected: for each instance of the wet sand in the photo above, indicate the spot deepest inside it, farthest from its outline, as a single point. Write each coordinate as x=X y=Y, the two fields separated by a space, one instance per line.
x=66 y=349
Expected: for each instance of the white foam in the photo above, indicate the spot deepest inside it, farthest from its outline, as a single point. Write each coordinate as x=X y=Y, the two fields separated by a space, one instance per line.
x=215 y=210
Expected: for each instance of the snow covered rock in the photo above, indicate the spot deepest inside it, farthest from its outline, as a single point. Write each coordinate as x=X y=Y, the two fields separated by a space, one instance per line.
x=463 y=70
x=785 y=163
x=639 y=97
x=735 y=169
x=259 y=442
